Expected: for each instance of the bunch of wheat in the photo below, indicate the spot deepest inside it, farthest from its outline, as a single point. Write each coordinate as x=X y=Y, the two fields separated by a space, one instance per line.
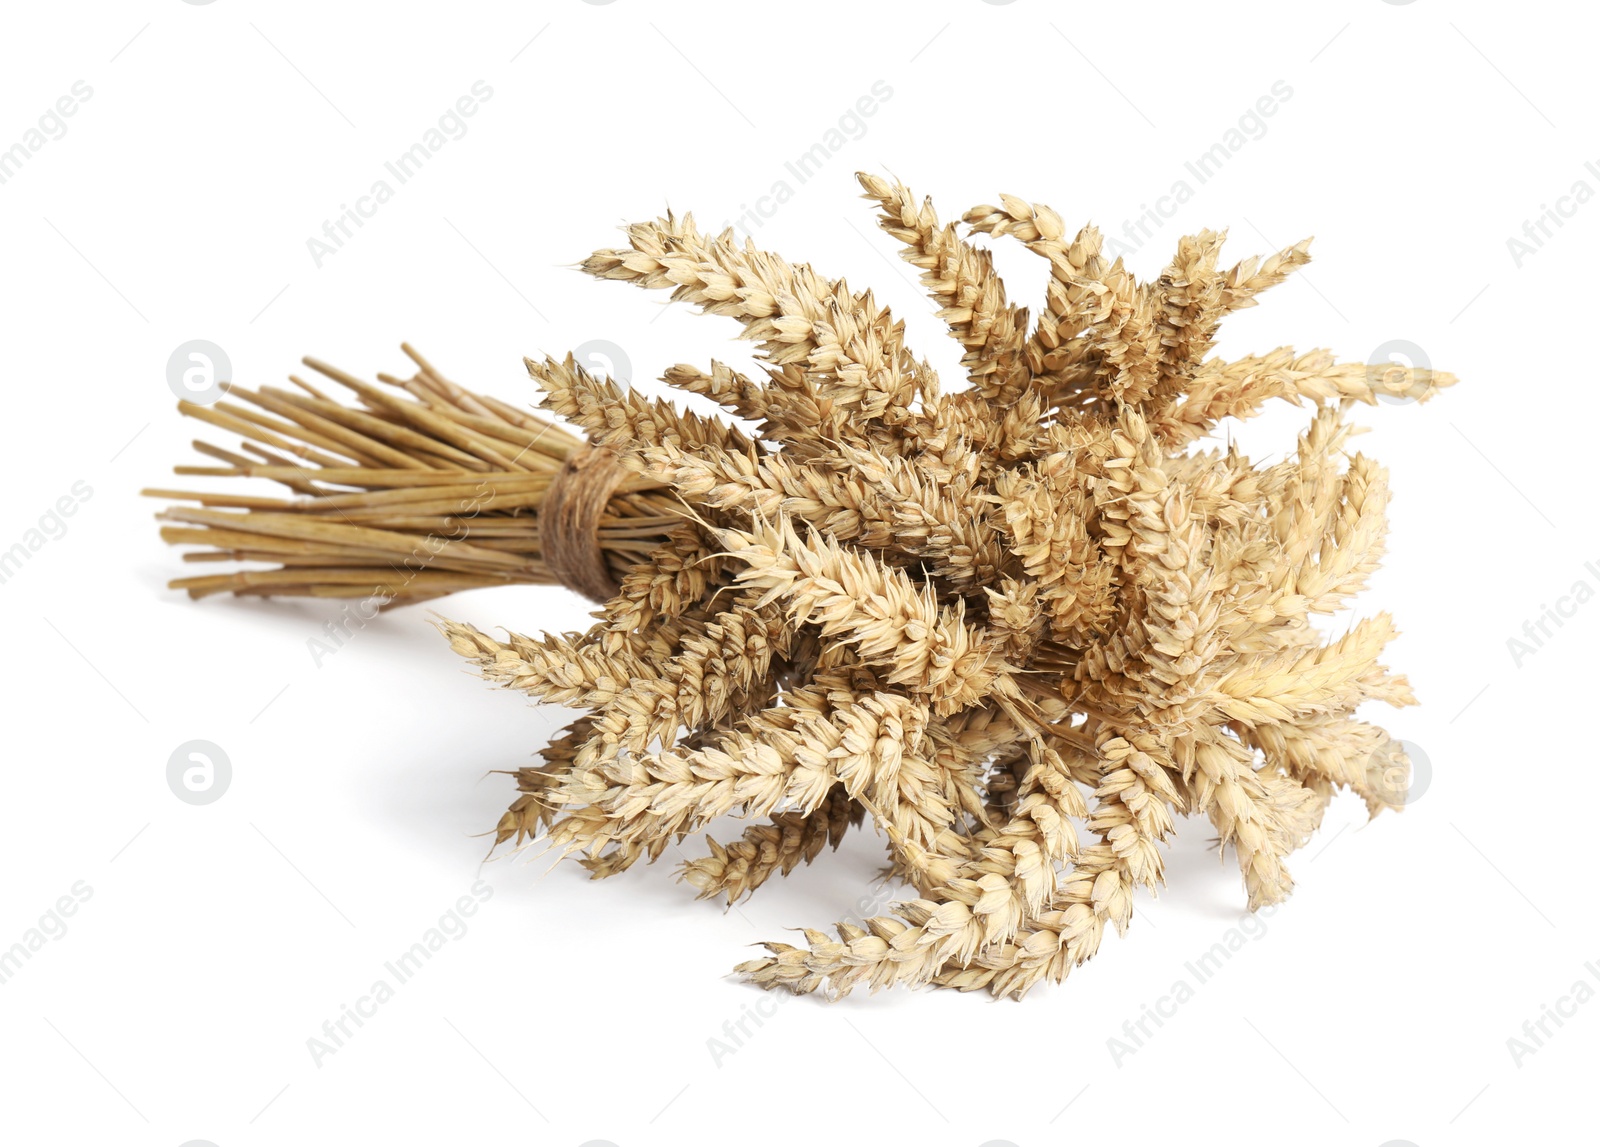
x=1021 y=625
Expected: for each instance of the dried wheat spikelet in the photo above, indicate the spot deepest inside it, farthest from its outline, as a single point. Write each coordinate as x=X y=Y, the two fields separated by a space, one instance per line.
x=1022 y=626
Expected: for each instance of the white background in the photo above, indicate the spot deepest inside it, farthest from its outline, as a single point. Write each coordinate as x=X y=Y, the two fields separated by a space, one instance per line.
x=1375 y=1006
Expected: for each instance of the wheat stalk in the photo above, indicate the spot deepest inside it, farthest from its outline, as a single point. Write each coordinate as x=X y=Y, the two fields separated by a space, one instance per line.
x=423 y=489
